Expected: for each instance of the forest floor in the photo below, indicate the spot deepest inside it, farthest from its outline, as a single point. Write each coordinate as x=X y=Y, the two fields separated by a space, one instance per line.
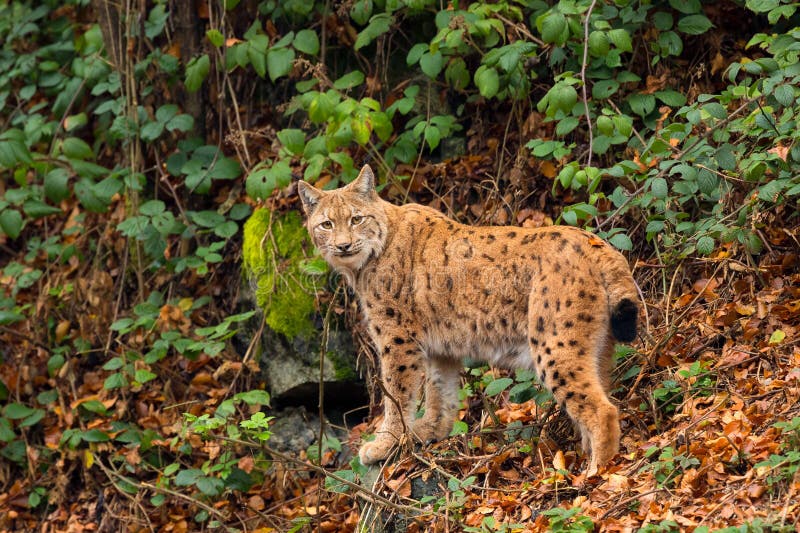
x=709 y=403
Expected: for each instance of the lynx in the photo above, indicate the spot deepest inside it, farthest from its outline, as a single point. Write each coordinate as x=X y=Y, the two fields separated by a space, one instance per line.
x=434 y=291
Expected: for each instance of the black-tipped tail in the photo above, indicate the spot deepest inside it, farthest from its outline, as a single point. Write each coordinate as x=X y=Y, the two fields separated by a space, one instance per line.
x=623 y=320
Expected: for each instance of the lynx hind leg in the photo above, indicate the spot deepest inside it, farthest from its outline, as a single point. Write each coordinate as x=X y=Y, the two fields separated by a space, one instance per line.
x=441 y=399
x=401 y=374
x=567 y=363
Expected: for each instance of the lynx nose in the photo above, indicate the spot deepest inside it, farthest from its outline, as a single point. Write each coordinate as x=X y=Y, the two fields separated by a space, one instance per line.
x=345 y=247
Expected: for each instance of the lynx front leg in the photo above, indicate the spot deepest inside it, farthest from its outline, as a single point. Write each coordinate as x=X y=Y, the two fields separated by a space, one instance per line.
x=401 y=374
x=441 y=399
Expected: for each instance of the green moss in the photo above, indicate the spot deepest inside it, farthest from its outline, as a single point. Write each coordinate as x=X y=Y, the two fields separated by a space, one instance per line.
x=286 y=282
x=342 y=367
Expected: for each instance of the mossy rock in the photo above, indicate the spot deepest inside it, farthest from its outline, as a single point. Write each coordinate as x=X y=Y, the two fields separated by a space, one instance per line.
x=283 y=278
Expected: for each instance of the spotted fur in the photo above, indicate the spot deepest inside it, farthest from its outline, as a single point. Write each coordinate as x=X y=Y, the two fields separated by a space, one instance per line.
x=434 y=291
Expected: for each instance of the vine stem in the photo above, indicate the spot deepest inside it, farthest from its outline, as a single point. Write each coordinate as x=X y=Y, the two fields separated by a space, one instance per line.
x=583 y=79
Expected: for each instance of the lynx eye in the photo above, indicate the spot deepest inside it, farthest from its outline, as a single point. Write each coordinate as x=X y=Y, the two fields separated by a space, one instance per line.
x=326 y=225
x=356 y=220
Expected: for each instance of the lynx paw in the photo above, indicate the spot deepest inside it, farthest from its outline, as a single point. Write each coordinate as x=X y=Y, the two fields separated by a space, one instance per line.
x=425 y=431
x=376 y=450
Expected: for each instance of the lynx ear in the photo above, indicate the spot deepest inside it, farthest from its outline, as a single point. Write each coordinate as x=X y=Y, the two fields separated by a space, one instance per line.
x=364 y=184
x=309 y=195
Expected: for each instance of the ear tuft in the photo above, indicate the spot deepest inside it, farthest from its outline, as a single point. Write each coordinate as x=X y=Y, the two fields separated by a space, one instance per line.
x=309 y=195
x=365 y=182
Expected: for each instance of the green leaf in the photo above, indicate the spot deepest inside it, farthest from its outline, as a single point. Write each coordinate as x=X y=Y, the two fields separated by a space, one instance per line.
x=182 y=122
x=694 y=24
x=306 y=41
x=671 y=98
x=39 y=209
x=598 y=43
x=487 y=80
x=74 y=122
x=416 y=52
x=784 y=94
x=11 y=222
x=75 y=148
x=257 y=54
x=13 y=152
x=457 y=74
x=642 y=104
x=206 y=219
x=196 y=72
x=378 y=25
x=621 y=39
x=621 y=241
x=659 y=188
x=349 y=80
x=553 y=27
x=777 y=337
x=431 y=64
x=263 y=180
x=115 y=381
x=566 y=125
x=563 y=96
x=432 y=136
x=17 y=411
x=361 y=11
x=215 y=37
x=705 y=245
x=725 y=157
x=459 y=428
x=227 y=229
x=10 y=317
x=662 y=20
x=188 y=477
x=716 y=110
x=604 y=89
x=279 y=62
x=497 y=386
x=151 y=131
x=686 y=6
x=294 y=140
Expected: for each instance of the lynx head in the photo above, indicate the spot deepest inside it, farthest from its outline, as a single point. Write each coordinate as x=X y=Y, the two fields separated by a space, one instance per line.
x=348 y=225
